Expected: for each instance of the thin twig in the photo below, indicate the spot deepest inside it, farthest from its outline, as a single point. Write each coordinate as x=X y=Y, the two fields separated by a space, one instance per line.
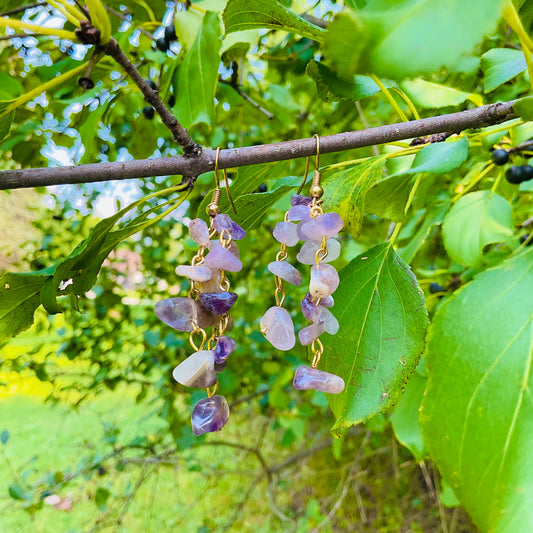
x=125 y=19
x=19 y=9
x=244 y=96
x=250 y=155
x=179 y=133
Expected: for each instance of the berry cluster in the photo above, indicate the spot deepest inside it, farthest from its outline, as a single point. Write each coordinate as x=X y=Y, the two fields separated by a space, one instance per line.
x=163 y=43
x=515 y=174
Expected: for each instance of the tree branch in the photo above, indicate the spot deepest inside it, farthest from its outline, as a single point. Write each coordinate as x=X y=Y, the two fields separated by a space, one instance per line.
x=190 y=148
x=189 y=165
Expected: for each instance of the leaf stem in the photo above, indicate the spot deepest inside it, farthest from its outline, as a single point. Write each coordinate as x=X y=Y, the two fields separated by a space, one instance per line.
x=61 y=8
x=408 y=101
x=42 y=88
x=40 y=30
x=389 y=97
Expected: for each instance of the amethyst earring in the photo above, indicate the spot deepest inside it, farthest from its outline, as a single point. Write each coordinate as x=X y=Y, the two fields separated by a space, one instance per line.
x=317 y=229
x=208 y=303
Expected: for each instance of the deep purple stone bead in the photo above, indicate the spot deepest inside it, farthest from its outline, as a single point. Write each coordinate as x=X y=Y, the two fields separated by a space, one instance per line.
x=223 y=349
x=298 y=199
x=218 y=302
x=237 y=232
x=209 y=415
x=307 y=377
x=223 y=222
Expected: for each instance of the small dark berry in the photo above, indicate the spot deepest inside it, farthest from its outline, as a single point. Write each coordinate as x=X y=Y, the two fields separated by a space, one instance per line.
x=148 y=112
x=524 y=238
x=262 y=188
x=500 y=156
x=527 y=172
x=86 y=83
x=435 y=287
x=101 y=470
x=514 y=175
x=162 y=44
x=171 y=100
x=152 y=84
x=170 y=33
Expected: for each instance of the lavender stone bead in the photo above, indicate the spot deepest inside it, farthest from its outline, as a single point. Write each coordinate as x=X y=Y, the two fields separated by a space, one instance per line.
x=324 y=280
x=286 y=272
x=325 y=302
x=307 y=254
x=180 y=313
x=218 y=303
x=298 y=199
x=221 y=258
x=197 y=371
x=223 y=349
x=308 y=334
x=199 y=232
x=209 y=414
x=307 y=377
x=299 y=212
x=196 y=273
x=328 y=225
x=277 y=327
x=286 y=232
x=233 y=248
x=318 y=314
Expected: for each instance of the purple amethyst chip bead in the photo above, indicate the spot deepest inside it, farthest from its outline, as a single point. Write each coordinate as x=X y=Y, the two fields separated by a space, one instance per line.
x=218 y=303
x=209 y=415
x=223 y=349
x=307 y=377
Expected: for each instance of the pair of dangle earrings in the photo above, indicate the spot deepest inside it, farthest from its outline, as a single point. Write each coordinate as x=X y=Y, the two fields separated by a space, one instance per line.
x=207 y=304
x=306 y=221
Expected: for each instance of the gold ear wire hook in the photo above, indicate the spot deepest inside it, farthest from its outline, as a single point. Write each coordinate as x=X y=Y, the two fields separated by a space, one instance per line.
x=227 y=191
x=316 y=190
x=305 y=176
x=213 y=208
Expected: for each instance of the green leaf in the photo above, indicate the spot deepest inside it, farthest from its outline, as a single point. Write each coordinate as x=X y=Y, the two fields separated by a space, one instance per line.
x=251 y=14
x=383 y=320
x=404 y=419
x=477 y=415
x=434 y=216
x=344 y=44
x=19 y=298
x=345 y=192
x=251 y=208
x=21 y=294
x=524 y=108
x=4 y=436
x=500 y=65
x=5 y=124
x=388 y=197
x=10 y=87
x=406 y=40
x=16 y=492
x=331 y=88
x=100 y=498
x=195 y=80
x=439 y=158
x=477 y=219
x=431 y=95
